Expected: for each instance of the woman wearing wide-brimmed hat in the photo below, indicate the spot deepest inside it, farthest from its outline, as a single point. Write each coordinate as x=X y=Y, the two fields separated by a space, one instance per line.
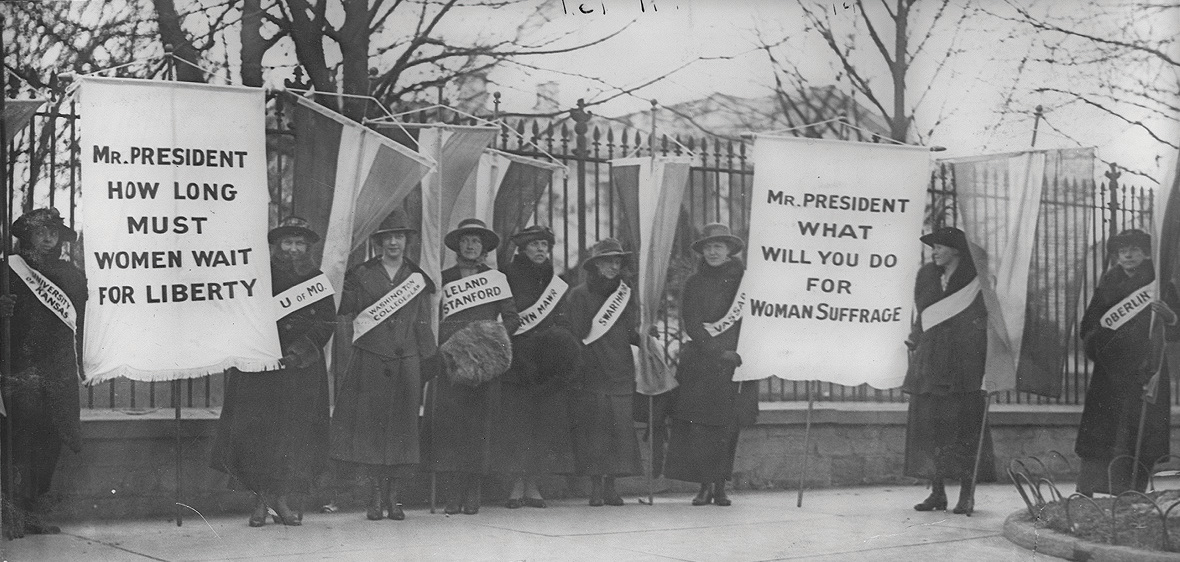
x=375 y=424
x=475 y=349
x=945 y=376
x=603 y=314
x=1115 y=331
x=710 y=409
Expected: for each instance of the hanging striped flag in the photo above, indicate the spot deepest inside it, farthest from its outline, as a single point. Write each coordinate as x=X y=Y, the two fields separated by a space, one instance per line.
x=1167 y=259
x=17 y=114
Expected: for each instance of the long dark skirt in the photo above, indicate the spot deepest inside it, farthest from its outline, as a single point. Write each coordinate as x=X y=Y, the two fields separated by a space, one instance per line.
x=456 y=435
x=376 y=419
x=532 y=433
x=36 y=445
x=701 y=453
x=604 y=435
x=942 y=434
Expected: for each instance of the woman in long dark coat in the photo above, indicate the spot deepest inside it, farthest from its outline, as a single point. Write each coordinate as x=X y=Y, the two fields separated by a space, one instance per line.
x=710 y=408
x=945 y=376
x=273 y=433
x=1122 y=370
x=605 y=446
x=375 y=425
x=459 y=416
x=532 y=436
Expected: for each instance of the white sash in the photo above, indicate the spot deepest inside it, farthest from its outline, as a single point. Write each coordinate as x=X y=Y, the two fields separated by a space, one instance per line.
x=302 y=295
x=953 y=304
x=610 y=312
x=1128 y=308
x=726 y=322
x=385 y=306
x=533 y=315
x=474 y=290
x=49 y=294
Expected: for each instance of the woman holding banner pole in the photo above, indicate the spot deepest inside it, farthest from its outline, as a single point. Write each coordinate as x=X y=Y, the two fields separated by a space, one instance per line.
x=945 y=376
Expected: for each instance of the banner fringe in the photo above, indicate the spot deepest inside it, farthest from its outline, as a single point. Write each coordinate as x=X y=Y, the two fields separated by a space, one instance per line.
x=154 y=375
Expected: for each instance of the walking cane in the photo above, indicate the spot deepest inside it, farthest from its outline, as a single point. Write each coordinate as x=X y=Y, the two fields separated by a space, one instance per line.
x=987 y=402
x=5 y=322
x=806 y=446
x=1149 y=389
x=433 y=473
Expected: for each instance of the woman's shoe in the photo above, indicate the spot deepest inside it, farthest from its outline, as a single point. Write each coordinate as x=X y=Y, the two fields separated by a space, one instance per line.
x=471 y=500
x=452 y=508
x=719 y=496
x=966 y=503
x=373 y=512
x=936 y=501
x=396 y=513
x=534 y=502
x=596 y=499
x=258 y=518
x=284 y=515
x=704 y=496
x=609 y=495
x=514 y=503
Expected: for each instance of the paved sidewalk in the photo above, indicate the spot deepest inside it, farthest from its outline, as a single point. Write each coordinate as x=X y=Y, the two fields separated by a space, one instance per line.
x=874 y=523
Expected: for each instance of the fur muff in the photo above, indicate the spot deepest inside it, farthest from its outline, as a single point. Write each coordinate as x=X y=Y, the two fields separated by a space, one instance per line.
x=477 y=353
x=562 y=352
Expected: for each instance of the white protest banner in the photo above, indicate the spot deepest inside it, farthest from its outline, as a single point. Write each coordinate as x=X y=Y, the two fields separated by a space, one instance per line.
x=832 y=255
x=174 y=203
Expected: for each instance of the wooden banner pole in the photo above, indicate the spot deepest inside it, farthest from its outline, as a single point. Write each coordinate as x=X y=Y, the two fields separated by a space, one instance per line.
x=806 y=444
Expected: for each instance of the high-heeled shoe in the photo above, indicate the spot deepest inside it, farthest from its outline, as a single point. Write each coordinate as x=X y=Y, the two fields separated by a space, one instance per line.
x=596 y=499
x=534 y=502
x=258 y=518
x=514 y=503
x=283 y=513
x=719 y=496
x=704 y=496
x=471 y=499
x=936 y=501
x=966 y=504
x=373 y=511
x=609 y=495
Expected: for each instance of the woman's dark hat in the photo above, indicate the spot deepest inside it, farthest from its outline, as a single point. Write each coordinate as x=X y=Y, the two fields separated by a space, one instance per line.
x=472 y=226
x=293 y=226
x=1130 y=237
x=535 y=232
x=397 y=221
x=718 y=232
x=24 y=226
x=605 y=248
x=948 y=236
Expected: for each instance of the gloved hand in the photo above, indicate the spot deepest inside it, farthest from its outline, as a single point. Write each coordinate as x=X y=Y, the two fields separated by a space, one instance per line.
x=731 y=357
x=287 y=361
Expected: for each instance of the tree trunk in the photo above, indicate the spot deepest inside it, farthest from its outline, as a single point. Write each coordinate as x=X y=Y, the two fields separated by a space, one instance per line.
x=308 y=37
x=899 y=122
x=354 y=49
x=172 y=34
x=253 y=46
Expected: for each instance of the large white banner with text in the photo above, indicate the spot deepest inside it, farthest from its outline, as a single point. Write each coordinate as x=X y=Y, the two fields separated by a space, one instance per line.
x=832 y=255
